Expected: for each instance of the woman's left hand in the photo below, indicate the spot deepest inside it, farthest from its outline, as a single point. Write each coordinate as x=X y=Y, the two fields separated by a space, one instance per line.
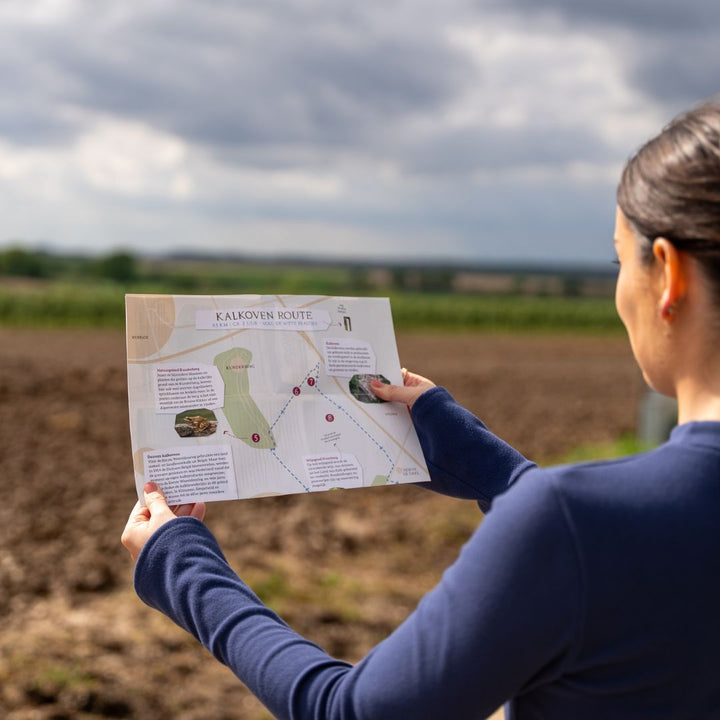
x=145 y=520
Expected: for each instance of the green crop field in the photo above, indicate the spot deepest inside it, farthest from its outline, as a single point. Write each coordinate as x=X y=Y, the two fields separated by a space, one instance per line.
x=102 y=305
x=98 y=304
x=61 y=305
x=503 y=313
x=42 y=290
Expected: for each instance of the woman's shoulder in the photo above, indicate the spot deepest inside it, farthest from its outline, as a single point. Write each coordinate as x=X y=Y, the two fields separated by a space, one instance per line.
x=681 y=473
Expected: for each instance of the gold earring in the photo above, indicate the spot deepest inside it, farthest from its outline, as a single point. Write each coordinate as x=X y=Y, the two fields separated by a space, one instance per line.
x=668 y=310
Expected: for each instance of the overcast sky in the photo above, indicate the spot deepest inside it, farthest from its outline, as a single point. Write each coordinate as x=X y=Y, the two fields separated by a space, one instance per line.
x=480 y=130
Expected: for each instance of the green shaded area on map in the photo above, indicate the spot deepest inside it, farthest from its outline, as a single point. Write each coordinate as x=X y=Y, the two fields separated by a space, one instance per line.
x=246 y=421
x=379 y=480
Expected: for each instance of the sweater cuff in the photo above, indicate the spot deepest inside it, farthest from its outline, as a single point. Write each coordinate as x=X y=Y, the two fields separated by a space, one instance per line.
x=429 y=399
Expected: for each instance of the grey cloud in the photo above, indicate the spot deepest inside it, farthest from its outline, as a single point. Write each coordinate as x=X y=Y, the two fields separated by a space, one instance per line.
x=481 y=149
x=28 y=123
x=321 y=83
x=642 y=15
x=32 y=92
x=268 y=82
x=669 y=49
x=678 y=70
x=239 y=79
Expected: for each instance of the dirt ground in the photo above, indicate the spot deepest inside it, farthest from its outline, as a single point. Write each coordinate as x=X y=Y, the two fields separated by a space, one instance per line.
x=343 y=568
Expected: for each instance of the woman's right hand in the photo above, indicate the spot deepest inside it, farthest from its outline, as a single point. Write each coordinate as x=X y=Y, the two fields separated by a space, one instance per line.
x=412 y=388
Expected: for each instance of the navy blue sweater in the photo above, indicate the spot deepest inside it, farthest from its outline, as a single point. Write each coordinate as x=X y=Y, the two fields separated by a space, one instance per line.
x=588 y=591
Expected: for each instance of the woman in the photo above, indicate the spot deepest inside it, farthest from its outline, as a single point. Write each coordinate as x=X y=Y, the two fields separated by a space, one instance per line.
x=589 y=591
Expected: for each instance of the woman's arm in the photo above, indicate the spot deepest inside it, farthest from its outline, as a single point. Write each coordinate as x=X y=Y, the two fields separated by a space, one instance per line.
x=473 y=642
x=464 y=458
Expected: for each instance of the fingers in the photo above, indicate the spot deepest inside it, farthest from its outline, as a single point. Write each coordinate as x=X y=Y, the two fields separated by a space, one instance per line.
x=196 y=510
x=381 y=389
x=411 y=379
x=389 y=393
x=138 y=515
x=139 y=518
x=157 y=504
x=158 y=508
x=413 y=386
x=397 y=393
x=154 y=498
x=145 y=519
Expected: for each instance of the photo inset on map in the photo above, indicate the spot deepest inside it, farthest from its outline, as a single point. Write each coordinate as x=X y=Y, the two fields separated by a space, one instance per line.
x=196 y=423
x=360 y=387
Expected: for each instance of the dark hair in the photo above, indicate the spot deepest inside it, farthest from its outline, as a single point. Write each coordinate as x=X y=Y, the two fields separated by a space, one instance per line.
x=670 y=188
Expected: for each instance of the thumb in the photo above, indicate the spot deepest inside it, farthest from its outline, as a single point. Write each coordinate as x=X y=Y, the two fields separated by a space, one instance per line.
x=383 y=390
x=395 y=393
x=155 y=500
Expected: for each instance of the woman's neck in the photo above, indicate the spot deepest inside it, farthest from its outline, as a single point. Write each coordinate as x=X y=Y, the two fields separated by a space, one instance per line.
x=695 y=342
x=699 y=396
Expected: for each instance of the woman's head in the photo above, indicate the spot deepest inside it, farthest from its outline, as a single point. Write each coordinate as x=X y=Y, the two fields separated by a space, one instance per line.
x=670 y=189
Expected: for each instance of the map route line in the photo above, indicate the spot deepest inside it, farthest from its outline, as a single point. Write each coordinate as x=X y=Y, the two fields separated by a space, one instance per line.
x=302 y=333
x=309 y=341
x=316 y=301
x=347 y=394
x=362 y=429
x=310 y=373
x=401 y=446
x=249 y=357
x=345 y=411
x=160 y=320
x=273 y=452
x=187 y=351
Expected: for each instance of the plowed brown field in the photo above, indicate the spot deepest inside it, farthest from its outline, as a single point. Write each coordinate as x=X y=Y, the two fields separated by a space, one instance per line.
x=344 y=567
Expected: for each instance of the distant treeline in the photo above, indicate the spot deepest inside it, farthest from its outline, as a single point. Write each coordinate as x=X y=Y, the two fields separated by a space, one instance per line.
x=43 y=290
x=20 y=263
x=236 y=276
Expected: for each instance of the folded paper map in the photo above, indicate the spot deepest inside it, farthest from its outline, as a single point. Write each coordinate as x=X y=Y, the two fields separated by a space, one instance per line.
x=240 y=396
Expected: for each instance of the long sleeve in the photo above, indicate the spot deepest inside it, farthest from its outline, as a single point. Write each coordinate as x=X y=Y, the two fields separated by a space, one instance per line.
x=473 y=641
x=464 y=458
x=575 y=597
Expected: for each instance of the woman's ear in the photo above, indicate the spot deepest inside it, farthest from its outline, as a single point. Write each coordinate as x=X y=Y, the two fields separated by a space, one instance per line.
x=673 y=277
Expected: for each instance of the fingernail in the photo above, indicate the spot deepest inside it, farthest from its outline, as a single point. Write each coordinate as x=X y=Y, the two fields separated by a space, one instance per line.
x=150 y=487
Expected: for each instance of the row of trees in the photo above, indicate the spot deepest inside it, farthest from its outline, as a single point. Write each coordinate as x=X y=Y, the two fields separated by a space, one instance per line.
x=207 y=275
x=124 y=268
x=18 y=262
